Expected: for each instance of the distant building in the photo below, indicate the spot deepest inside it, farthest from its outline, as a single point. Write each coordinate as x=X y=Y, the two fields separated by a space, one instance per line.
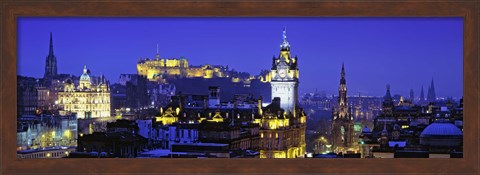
x=87 y=100
x=421 y=131
x=431 y=96
x=137 y=93
x=50 y=63
x=342 y=123
x=46 y=131
x=121 y=139
x=422 y=101
x=27 y=96
x=159 y=68
x=112 y=144
x=238 y=136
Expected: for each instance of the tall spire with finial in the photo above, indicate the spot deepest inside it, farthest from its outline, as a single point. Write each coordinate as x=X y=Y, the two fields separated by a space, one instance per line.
x=342 y=94
x=431 y=96
x=388 y=96
x=285 y=46
x=50 y=62
x=412 y=99
x=422 y=97
x=50 y=52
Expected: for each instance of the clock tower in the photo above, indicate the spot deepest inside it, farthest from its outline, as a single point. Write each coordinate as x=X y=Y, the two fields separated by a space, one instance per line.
x=284 y=74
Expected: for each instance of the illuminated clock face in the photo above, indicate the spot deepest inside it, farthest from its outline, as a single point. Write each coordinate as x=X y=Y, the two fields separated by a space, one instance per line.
x=282 y=73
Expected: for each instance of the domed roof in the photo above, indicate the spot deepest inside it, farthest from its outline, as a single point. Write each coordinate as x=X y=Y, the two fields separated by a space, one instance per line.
x=85 y=76
x=68 y=81
x=441 y=129
x=366 y=130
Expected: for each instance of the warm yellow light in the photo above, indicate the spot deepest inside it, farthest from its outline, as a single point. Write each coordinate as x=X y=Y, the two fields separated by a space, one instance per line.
x=67 y=134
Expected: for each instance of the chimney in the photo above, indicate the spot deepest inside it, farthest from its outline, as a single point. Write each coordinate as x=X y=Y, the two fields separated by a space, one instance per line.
x=276 y=101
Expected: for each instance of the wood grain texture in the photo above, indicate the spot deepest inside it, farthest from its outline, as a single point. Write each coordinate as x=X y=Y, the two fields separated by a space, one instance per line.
x=11 y=10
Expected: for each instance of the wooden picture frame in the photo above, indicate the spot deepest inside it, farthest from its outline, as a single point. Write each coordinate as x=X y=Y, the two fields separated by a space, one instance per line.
x=11 y=10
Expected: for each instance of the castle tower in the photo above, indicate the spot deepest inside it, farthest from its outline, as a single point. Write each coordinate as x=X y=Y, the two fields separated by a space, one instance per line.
x=284 y=75
x=342 y=126
x=50 y=62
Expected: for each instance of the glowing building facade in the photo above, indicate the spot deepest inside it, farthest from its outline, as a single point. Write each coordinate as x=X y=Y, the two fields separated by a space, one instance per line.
x=282 y=131
x=159 y=68
x=87 y=100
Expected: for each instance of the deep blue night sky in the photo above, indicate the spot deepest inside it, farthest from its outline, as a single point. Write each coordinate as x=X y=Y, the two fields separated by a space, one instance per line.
x=403 y=52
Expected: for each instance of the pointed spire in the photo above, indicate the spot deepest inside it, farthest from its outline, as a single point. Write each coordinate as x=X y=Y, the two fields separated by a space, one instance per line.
x=285 y=46
x=157 y=56
x=431 y=96
x=431 y=84
x=51 y=62
x=342 y=73
x=411 y=96
x=421 y=101
x=50 y=52
x=85 y=69
x=388 y=96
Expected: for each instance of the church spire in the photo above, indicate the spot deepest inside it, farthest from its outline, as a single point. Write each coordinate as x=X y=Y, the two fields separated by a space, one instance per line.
x=50 y=52
x=342 y=95
x=50 y=62
x=388 y=96
x=431 y=96
x=342 y=80
x=412 y=99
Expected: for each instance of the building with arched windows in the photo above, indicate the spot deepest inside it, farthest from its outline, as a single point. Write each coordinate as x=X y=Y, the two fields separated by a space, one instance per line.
x=88 y=99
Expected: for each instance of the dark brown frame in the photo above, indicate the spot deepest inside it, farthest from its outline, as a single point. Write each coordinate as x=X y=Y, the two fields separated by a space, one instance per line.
x=468 y=9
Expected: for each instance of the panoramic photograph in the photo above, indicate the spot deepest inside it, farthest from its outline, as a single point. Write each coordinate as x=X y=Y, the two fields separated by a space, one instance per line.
x=226 y=87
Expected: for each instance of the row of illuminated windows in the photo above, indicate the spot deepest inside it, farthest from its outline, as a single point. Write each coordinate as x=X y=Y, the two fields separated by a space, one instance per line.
x=49 y=154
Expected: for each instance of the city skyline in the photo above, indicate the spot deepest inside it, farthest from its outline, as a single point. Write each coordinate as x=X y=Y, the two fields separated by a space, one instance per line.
x=321 y=44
